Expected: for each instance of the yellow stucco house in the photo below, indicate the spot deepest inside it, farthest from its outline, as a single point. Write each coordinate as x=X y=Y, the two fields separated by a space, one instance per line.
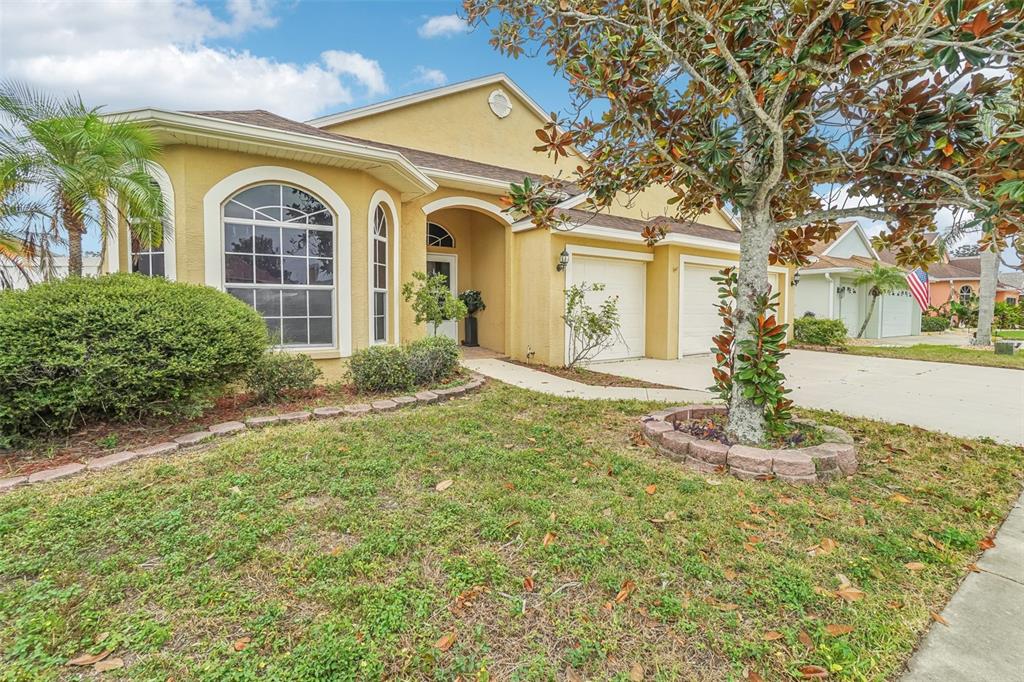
x=318 y=224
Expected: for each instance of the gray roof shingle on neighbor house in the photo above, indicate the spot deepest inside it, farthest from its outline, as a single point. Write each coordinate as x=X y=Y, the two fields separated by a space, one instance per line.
x=423 y=159
x=671 y=225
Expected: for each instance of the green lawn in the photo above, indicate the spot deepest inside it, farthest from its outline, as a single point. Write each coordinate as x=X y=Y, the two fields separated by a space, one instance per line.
x=937 y=353
x=1012 y=334
x=325 y=551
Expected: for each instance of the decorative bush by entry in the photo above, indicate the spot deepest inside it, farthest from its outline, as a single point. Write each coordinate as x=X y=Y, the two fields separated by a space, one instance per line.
x=433 y=359
x=117 y=347
x=934 y=323
x=275 y=375
x=820 y=331
x=380 y=368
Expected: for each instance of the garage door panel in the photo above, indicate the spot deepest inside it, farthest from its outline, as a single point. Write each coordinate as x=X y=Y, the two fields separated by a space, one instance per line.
x=698 y=312
x=897 y=309
x=627 y=280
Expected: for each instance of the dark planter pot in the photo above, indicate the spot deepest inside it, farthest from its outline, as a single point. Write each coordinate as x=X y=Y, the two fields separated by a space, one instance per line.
x=471 y=339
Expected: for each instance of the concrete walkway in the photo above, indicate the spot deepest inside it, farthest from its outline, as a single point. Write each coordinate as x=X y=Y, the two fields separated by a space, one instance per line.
x=542 y=382
x=983 y=642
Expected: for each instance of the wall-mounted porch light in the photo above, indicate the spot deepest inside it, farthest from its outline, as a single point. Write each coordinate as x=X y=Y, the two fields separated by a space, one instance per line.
x=796 y=279
x=563 y=261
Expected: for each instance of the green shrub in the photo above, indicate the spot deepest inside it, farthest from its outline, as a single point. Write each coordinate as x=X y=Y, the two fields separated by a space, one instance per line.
x=275 y=375
x=1008 y=316
x=117 y=347
x=433 y=359
x=934 y=323
x=380 y=368
x=820 y=331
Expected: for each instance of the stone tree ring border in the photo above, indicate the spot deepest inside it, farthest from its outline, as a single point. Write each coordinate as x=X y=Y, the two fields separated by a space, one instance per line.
x=817 y=464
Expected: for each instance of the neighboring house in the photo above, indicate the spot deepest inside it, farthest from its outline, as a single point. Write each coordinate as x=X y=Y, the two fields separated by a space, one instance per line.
x=90 y=267
x=827 y=288
x=959 y=279
x=317 y=225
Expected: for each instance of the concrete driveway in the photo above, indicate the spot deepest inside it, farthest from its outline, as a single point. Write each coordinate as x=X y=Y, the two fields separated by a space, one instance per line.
x=958 y=399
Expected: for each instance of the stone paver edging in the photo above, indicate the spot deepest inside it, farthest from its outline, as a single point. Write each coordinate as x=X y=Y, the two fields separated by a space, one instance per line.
x=815 y=464
x=197 y=438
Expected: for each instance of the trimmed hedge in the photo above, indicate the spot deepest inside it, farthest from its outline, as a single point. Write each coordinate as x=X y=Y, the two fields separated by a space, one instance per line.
x=934 y=323
x=398 y=368
x=275 y=375
x=433 y=359
x=117 y=347
x=820 y=331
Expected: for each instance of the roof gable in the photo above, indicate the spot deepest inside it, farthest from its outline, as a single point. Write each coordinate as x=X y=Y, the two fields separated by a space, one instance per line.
x=851 y=242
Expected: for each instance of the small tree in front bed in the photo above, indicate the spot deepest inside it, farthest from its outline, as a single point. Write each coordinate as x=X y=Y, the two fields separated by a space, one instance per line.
x=879 y=280
x=432 y=300
x=590 y=331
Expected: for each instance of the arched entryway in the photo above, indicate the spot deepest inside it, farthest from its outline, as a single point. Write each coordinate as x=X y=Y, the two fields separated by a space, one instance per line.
x=468 y=241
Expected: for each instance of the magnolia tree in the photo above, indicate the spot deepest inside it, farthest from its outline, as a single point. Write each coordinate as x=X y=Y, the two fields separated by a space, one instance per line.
x=794 y=114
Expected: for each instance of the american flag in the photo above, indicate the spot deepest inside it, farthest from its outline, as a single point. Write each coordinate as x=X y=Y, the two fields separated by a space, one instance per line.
x=918 y=282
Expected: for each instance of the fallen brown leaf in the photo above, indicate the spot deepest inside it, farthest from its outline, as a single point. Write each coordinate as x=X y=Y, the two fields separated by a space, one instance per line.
x=636 y=673
x=89 y=659
x=827 y=545
x=241 y=644
x=549 y=537
x=806 y=640
x=444 y=485
x=651 y=489
x=772 y=635
x=813 y=672
x=914 y=566
x=624 y=592
x=108 y=664
x=902 y=499
x=730 y=574
x=445 y=643
x=528 y=583
x=987 y=543
x=754 y=677
x=939 y=619
x=837 y=630
x=850 y=593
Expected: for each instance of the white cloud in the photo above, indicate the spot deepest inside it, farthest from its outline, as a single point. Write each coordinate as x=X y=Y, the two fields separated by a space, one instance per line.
x=132 y=53
x=431 y=77
x=442 y=26
x=366 y=71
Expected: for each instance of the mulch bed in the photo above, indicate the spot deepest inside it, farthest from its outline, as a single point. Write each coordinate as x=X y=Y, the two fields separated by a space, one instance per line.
x=590 y=377
x=103 y=438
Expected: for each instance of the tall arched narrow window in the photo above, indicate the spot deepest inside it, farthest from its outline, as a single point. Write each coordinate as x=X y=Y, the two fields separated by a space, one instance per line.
x=966 y=294
x=147 y=259
x=279 y=258
x=379 y=267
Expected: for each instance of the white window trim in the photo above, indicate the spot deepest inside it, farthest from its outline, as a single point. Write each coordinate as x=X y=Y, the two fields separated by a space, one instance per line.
x=213 y=244
x=394 y=238
x=784 y=281
x=114 y=248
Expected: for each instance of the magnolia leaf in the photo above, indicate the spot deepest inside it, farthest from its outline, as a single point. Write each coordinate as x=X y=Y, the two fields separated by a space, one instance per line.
x=89 y=659
x=636 y=673
x=837 y=630
x=549 y=537
x=772 y=635
x=444 y=485
x=108 y=664
x=445 y=642
x=651 y=489
x=914 y=566
x=939 y=619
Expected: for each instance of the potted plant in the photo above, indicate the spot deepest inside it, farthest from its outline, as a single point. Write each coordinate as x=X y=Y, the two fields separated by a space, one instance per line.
x=474 y=303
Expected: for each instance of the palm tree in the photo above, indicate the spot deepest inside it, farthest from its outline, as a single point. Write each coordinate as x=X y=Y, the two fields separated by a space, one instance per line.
x=25 y=235
x=76 y=159
x=881 y=279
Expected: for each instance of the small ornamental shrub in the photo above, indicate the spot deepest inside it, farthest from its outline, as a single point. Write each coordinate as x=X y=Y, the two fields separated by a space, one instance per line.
x=117 y=347
x=381 y=368
x=590 y=331
x=431 y=299
x=820 y=331
x=473 y=300
x=433 y=359
x=934 y=323
x=275 y=375
x=1008 y=316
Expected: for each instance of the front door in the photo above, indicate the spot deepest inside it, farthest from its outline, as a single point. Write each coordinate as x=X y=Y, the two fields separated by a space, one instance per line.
x=447 y=265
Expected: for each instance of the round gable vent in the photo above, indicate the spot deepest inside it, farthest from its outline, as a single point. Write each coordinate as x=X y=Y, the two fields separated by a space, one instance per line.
x=500 y=103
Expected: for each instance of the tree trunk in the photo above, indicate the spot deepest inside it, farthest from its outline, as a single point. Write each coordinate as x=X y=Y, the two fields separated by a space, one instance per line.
x=746 y=419
x=986 y=297
x=867 y=318
x=75 y=227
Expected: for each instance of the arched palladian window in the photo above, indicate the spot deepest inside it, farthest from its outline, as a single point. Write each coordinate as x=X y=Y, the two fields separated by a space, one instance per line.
x=966 y=293
x=279 y=258
x=438 y=236
x=379 y=269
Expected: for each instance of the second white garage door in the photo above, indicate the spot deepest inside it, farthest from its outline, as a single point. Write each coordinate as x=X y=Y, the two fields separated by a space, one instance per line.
x=626 y=279
x=698 y=314
x=897 y=314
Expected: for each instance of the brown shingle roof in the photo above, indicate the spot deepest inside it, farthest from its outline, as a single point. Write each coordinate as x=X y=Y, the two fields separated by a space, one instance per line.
x=423 y=159
x=671 y=225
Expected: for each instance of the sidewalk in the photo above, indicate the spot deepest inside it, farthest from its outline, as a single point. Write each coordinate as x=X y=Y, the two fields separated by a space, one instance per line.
x=542 y=382
x=984 y=641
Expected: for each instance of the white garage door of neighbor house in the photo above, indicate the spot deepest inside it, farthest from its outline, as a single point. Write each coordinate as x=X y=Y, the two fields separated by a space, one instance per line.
x=897 y=313
x=698 y=312
x=626 y=279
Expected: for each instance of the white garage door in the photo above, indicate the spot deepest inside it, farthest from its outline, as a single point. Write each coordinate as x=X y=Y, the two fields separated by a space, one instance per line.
x=897 y=311
x=626 y=279
x=698 y=312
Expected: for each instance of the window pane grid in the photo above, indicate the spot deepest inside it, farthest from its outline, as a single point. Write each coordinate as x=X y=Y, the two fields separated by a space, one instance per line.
x=379 y=274
x=279 y=259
